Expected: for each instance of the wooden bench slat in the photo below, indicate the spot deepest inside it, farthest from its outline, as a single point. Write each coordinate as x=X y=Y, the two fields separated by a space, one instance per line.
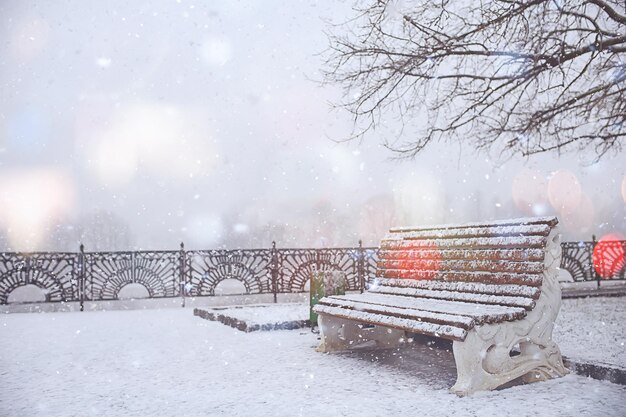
x=431 y=329
x=514 y=255
x=498 y=278
x=485 y=231
x=474 y=265
x=482 y=313
x=468 y=287
x=464 y=322
x=514 y=242
x=502 y=300
x=550 y=221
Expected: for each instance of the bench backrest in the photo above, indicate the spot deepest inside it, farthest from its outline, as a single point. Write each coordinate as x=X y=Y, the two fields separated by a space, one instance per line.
x=500 y=262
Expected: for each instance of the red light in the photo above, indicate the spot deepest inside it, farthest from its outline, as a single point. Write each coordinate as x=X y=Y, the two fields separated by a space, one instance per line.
x=425 y=262
x=608 y=255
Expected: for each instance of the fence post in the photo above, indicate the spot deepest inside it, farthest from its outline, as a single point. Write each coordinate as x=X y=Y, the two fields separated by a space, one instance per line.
x=181 y=272
x=81 y=277
x=594 y=260
x=274 y=271
x=360 y=271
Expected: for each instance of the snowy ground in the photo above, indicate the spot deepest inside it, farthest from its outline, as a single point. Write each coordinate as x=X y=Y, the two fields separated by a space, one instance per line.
x=587 y=329
x=593 y=330
x=170 y=363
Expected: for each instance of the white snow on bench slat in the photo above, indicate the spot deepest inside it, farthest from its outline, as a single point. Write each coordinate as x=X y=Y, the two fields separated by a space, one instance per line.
x=464 y=322
x=443 y=331
x=512 y=255
x=471 y=287
x=481 y=312
x=470 y=242
x=460 y=265
x=498 y=278
x=502 y=300
x=509 y=222
x=487 y=231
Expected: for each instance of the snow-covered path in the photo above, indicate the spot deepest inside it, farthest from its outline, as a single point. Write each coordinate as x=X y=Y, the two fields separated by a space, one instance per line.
x=593 y=330
x=170 y=363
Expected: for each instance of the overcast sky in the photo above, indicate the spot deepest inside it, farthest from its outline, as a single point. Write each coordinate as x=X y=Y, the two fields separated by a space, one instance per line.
x=203 y=122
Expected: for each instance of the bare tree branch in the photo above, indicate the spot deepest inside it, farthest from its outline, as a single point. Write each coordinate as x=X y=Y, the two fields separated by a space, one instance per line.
x=516 y=76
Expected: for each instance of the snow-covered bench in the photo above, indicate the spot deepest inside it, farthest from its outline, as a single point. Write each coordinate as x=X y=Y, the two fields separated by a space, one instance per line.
x=491 y=288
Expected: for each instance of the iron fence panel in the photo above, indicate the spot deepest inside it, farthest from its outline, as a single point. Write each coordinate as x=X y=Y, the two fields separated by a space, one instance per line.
x=106 y=273
x=56 y=274
x=296 y=266
x=206 y=269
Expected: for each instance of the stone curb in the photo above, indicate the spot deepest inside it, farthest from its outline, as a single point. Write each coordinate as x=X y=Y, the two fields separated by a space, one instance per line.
x=600 y=371
x=235 y=323
x=584 y=293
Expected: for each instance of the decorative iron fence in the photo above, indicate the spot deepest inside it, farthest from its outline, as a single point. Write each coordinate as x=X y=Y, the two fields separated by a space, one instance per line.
x=595 y=260
x=98 y=276
x=57 y=274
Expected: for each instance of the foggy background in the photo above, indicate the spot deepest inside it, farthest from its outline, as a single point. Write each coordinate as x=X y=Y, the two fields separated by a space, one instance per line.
x=140 y=125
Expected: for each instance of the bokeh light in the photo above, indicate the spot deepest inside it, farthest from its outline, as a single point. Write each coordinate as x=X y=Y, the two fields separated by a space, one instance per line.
x=205 y=231
x=115 y=161
x=426 y=260
x=530 y=191
x=420 y=199
x=30 y=202
x=216 y=51
x=27 y=130
x=29 y=39
x=581 y=219
x=344 y=165
x=162 y=141
x=376 y=217
x=564 y=191
x=608 y=255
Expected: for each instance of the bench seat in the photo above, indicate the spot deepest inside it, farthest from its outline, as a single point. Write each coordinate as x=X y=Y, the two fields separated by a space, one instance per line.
x=445 y=312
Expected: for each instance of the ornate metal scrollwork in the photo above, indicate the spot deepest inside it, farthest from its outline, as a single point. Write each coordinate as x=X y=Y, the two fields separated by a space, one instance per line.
x=577 y=259
x=595 y=261
x=296 y=266
x=108 y=272
x=55 y=273
x=206 y=269
x=370 y=262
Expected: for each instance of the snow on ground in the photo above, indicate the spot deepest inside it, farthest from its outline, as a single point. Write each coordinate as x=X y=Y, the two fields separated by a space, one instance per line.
x=587 y=329
x=593 y=329
x=170 y=363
